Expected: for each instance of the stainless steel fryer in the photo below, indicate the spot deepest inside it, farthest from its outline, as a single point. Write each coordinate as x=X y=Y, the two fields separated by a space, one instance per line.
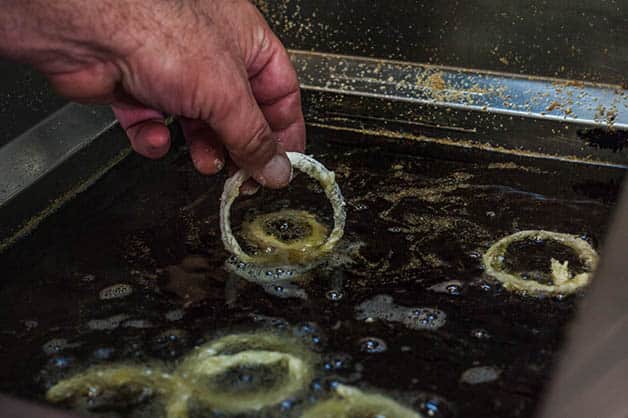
x=527 y=81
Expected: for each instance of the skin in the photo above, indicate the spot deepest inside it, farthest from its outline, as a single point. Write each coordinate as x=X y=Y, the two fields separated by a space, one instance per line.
x=214 y=63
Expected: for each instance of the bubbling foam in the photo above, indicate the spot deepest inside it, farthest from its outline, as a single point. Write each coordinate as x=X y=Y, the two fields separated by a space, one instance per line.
x=116 y=291
x=285 y=236
x=483 y=374
x=382 y=307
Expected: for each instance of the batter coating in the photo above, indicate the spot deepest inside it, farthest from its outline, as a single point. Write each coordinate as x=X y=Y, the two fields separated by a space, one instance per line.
x=312 y=168
x=353 y=403
x=195 y=379
x=563 y=281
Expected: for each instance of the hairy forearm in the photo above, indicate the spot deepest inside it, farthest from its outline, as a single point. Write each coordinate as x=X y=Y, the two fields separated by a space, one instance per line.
x=56 y=36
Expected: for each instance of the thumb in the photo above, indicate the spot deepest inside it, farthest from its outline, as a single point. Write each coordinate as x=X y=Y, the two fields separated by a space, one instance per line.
x=241 y=126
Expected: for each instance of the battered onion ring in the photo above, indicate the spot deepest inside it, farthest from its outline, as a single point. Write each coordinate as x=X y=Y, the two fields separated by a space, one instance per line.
x=101 y=378
x=312 y=168
x=189 y=381
x=246 y=350
x=493 y=264
x=355 y=403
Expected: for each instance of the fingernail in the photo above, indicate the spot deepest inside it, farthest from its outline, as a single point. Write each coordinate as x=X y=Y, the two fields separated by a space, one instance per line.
x=276 y=173
x=219 y=164
x=249 y=189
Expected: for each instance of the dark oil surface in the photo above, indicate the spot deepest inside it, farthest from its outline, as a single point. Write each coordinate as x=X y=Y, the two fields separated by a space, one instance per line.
x=420 y=223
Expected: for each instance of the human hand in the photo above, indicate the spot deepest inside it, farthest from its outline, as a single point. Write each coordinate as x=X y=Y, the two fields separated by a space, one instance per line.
x=213 y=63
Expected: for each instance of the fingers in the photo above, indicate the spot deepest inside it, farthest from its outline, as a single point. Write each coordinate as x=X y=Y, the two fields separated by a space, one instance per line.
x=206 y=150
x=145 y=128
x=242 y=127
x=249 y=187
x=276 y=88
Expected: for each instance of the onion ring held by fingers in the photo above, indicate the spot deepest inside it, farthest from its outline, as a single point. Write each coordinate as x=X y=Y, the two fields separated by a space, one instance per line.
x=563 y=281
x=312 y=168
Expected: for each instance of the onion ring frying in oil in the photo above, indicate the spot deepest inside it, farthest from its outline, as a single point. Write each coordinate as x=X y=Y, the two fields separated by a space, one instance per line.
x=195 y=380
x=564 y=283
x=312 y=168
x=351 y=402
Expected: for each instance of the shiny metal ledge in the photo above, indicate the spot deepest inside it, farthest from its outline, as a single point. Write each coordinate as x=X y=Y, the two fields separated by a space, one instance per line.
x=34 y=154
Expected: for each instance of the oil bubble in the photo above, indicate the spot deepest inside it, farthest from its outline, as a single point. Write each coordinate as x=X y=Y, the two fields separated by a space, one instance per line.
x=30 y=324
x=485 y=286
x=425 y=318
x=316 y=385
x=88 y=278
x=115 y=291
x=57 y=345
x=284 y=290
x=380 y=307
x=307 y=328
x=454 y=290
x=480 y=334
x=419 y=318
x=61 y=362
x=257 y=273
x=107 y=324
x=175 y=315
x=170 y=343
x=287 y=404
x=476 y=255
x=334 y=295
x=104 y=353
x=483 y=374
x=450 y=287
x=270 y=321
x=372 y=345
x=434 y=406
x=137 y=323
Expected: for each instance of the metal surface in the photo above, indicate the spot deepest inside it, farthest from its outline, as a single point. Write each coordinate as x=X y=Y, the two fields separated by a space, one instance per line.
x=593 y=373
x=25 y=99
x=36 y=153
x=437 y=103
x=447 y=107
x=546 y=118
x=571 y=39
x=53 y=161
x=583 y=104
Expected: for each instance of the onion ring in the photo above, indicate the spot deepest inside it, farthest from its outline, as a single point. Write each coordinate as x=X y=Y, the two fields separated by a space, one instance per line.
x=312 y=168
x=191 y=379
x=351 y=402
x=563 y=282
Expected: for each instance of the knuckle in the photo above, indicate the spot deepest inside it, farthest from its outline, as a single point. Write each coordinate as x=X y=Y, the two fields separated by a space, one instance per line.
x=257 y=145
